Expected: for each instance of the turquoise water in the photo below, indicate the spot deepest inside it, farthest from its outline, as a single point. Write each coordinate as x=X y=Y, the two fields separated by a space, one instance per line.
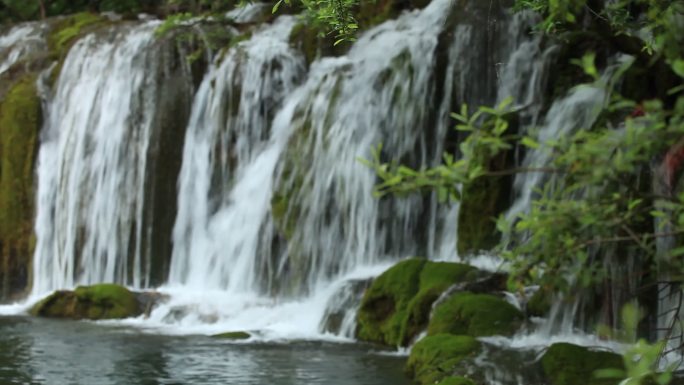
x=39 y=351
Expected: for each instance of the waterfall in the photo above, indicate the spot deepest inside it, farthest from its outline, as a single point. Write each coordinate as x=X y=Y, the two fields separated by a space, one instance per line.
x=93 y=162
x=245 y=198
x=228 y=162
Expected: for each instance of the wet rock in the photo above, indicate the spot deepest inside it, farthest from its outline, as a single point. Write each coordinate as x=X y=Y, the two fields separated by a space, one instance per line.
x=96 y=302
x=148 y=300
x=341 y=305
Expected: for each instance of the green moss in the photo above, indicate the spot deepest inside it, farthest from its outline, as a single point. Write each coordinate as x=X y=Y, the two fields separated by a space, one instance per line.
x=103 y=301
x=435 y=277
x=66 y=32
x=476 y=315
x=456 y=381
x=567 y=364
x=233 y=336
x=20 y=121
x=69 y=29
x=435 y=357
x=397 y=306
x=384 y=306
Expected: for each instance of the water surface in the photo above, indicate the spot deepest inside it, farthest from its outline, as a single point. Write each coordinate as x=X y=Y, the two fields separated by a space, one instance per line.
x=39 y=351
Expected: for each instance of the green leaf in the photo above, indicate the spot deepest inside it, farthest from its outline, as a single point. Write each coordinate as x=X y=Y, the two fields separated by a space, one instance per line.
x=529 y=142
x=678 y=67
x=276 y=6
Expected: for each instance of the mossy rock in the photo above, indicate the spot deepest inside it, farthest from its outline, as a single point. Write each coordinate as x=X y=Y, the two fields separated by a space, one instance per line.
x=456 y=381
x=435 y=357
x=398 y=303
x=568 y=364
x=482 y=201
x=435 y=278
x=20 y=122
x=96 y=302
x=66 y=31
x=233 y=336
x=384 y=306
x=476 y=315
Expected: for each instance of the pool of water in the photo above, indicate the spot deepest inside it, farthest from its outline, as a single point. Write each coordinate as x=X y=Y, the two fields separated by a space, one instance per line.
x=40 y=351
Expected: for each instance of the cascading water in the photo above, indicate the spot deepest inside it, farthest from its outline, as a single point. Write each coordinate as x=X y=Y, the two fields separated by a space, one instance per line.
x=274 y=212
x=225 y=182
x=93 y=162
x=19 y=42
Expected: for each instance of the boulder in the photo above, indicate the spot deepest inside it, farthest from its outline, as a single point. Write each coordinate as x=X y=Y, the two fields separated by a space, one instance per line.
x=96 y=302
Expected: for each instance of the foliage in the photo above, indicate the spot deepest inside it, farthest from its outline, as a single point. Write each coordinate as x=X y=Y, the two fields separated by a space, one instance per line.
x=641 y=359
x=334 y=16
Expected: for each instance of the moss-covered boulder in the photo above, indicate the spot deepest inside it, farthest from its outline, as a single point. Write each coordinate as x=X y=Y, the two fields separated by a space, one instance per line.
x=97 y=302
x=20 y=121
x=568 y=364
x=435 y=357
x=456 y=381
x=233 y=336
x=397 y=305
x=476 y=315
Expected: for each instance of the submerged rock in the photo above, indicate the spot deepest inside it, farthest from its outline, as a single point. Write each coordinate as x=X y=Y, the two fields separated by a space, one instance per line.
x=476 y=315
x=568 y=364
x=435 y=357
x=233 y=336
x=96 y=302
x=397 y=305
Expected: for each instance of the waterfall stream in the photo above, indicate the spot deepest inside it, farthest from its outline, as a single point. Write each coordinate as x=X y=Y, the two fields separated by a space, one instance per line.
x=92 y=166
